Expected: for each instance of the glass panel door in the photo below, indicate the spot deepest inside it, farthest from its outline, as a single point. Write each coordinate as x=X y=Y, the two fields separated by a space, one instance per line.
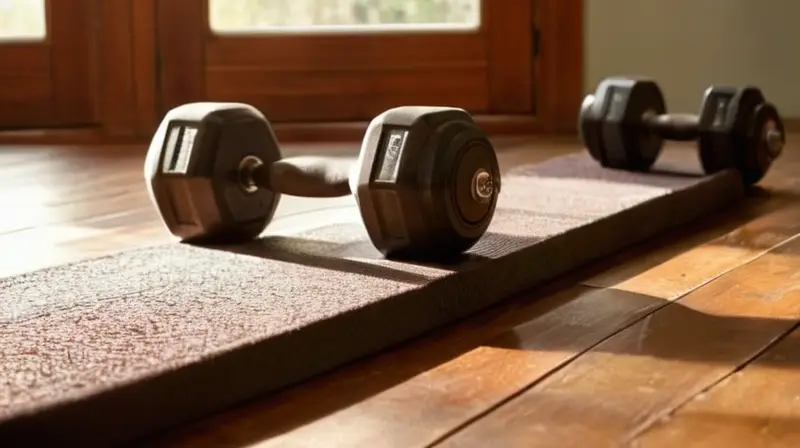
x=347 y=60
x=23 y=20
x=367 y=16
x=45 y=65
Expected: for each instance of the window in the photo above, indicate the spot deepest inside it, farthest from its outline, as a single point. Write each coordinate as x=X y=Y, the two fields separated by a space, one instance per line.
x=354 y=16
x=22 y=20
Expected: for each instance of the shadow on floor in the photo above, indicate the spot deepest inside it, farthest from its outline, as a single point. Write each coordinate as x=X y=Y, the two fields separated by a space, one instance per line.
x=652 y=327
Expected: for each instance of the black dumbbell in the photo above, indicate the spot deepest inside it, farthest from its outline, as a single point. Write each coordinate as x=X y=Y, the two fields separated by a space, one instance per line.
x=426 y=180
x=624 y=124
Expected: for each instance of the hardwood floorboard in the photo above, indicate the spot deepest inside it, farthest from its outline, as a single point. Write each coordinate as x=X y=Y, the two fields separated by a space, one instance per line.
x=597 y=357
x=619 y=388
x=758 y=406
x=673 y=270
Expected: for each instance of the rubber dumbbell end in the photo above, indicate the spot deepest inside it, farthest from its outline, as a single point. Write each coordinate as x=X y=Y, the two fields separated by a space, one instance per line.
x=252 y=173
x=775 y=141
x=482 y=186
x=583 y=118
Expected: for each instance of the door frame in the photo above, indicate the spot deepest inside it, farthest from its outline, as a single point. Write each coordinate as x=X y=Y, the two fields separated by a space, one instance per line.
x=128 y=82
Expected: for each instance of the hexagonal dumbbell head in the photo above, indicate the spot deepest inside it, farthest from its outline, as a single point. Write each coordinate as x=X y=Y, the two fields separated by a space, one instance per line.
x=193 y=173
x=427 y=182
x=610 y=123
x=739 y=129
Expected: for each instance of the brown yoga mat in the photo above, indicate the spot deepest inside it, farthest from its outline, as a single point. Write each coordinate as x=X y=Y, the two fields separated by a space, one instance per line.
x=110 y=350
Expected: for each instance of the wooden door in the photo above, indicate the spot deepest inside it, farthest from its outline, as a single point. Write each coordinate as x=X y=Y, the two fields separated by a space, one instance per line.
x=46 y=63
x=347 y=60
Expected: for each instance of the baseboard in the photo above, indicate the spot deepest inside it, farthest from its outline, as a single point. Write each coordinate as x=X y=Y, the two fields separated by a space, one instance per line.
x=792 y=124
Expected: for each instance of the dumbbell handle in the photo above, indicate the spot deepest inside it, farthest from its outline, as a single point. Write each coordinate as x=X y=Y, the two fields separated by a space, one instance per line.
x=305 y=176
x=683 y=127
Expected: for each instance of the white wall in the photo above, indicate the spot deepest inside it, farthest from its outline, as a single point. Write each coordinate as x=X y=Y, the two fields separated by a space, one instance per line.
x=688 y=44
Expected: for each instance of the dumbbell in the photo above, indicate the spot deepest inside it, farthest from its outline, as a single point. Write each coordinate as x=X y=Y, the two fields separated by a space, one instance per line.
x=624 y=124
x=426 y=180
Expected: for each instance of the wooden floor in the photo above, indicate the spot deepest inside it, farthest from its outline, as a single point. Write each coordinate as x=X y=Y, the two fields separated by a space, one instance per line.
x=688 y=340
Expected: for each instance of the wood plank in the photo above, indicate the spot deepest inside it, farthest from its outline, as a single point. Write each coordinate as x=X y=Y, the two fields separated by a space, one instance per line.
x=422 y=393
x=756 y=407
x=181 y=45
x=77 y=235
x=267 y=81
x=61 y=243
x=115 y=60
x=340 y=51
x=24 y=58
x=641 y=374
x=347 y=95
x=295 y=109
x=72 y=37
x=145 y=65
x=673 y=270
x=25 y=99
x=510 y=56
x=558 y=69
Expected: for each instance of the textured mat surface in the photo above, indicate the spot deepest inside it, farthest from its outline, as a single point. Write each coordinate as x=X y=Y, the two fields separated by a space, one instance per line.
x=114 y=348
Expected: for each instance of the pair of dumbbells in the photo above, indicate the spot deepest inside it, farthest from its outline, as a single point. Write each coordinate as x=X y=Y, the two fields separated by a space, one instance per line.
x=426 y=181
x=624 y=124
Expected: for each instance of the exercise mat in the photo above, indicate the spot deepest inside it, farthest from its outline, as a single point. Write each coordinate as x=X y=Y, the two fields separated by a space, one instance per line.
x=109 y=350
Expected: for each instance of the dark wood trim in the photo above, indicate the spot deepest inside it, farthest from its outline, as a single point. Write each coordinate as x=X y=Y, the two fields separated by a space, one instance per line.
x=116 y=69
x=511 y=79
x=145 y=67
x=792 y=124
x=559 y=67
x=35 y=137
x=182 y=62
x=73 y=61
x=127 y=73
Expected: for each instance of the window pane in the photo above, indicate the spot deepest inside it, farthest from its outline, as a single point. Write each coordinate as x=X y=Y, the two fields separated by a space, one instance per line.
x=312 y=16
x=22 y=20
